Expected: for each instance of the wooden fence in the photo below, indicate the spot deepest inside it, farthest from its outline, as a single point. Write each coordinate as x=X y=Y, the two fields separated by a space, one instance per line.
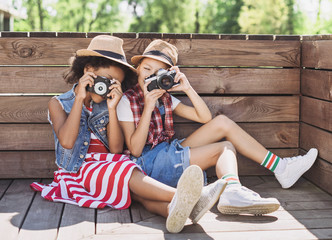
x=253 y=79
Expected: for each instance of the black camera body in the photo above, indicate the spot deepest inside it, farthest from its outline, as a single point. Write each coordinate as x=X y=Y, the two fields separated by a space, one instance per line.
x=101 y=86
x=163 y=79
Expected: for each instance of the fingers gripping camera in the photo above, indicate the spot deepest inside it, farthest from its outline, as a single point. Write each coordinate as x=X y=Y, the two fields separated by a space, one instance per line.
x=101 y=86
x=163 y=79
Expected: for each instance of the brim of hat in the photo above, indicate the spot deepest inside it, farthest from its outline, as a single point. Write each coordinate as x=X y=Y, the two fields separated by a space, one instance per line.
x=86 y=52
x=136 y=59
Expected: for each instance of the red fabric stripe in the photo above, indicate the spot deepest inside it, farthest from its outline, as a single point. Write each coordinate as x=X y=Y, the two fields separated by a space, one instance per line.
x=272 y=161
x=111 y=183
x=120 y=186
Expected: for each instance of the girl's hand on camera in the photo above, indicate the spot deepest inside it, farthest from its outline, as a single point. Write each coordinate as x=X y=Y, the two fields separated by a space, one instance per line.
x=180 y=78
x=114 y=96
x=150 y=98
x=85 y=80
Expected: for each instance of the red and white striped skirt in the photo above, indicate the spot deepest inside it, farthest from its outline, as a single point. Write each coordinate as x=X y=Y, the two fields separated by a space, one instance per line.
x=102 y=180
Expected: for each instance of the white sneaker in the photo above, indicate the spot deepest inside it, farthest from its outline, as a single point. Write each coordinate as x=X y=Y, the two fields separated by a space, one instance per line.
x=188 y=192
x=210 y=195
x=295 y=167
x=241 y=200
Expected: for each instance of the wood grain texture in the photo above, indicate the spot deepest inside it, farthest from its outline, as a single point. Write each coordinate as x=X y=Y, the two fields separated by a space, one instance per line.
x=317 y=138
x=40 y=136
x=25 y=109
x=56 y=51
x=316 y=83
x=320 y=174
x=271 y=135
x=32 y=79
x=316 y=112
x=251 y=109
x=26 y=137
x=27 y=164
x=206 y=80
x=317 y=54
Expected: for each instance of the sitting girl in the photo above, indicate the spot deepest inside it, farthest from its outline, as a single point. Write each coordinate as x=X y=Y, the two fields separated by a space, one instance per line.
x=86 y=130
x=146 y=117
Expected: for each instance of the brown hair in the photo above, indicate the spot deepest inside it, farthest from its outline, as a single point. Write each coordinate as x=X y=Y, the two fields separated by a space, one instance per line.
x=78 y=63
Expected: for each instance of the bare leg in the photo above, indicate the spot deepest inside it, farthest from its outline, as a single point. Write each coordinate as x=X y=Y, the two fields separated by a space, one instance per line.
x=149 y=189
x=221 y=154
x=222 y=127
x=158 y=207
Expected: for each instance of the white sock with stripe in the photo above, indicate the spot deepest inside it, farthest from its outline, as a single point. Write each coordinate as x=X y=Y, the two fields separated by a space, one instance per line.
x=274 y=163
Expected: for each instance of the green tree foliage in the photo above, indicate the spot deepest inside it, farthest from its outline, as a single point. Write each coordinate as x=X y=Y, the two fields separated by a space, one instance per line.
x=173 y=16
x=163 y=16
x=72 y=15
x=221 y=16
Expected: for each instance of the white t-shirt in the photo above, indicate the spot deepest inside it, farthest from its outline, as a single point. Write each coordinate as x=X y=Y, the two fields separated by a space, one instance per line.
x=125 y=114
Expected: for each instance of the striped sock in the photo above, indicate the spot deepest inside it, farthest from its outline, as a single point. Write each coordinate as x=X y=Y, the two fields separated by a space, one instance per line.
x=271 y=161
x=231 y=179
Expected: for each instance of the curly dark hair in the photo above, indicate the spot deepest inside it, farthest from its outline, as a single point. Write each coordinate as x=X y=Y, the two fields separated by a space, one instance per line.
x=76 y=70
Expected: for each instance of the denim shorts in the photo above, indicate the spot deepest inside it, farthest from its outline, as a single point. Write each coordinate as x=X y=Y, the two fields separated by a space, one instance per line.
x=165 y=162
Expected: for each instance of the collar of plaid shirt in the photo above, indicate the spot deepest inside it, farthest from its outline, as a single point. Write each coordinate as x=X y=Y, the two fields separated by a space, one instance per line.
x=157 y=132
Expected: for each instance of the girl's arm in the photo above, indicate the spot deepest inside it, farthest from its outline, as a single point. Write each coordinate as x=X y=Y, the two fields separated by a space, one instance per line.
x=136 y=137
x=65 y=126
x=200 y=111
x=114 y=133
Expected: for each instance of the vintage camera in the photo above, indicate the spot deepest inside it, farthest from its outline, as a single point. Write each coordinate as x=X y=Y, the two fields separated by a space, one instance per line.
x=163 y=79
x=101 y=86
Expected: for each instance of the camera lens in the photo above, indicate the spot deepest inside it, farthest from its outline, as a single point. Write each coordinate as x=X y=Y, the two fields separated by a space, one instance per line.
x=100 y=88
x=166 y=82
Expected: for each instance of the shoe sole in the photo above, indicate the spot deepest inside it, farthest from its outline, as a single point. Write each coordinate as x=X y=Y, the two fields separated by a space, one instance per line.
x=189 y=190
x=214 y=200
x=255 y=210
x=294 y=180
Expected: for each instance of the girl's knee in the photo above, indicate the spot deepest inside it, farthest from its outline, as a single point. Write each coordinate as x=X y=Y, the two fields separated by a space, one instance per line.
x=227 y=145
x=223 y=123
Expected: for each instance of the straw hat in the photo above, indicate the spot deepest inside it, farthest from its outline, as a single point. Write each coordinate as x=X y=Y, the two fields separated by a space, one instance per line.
x=106 y=46
x=159 y=50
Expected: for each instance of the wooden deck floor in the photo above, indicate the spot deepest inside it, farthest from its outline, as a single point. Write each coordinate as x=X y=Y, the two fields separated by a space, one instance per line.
x=306 y=213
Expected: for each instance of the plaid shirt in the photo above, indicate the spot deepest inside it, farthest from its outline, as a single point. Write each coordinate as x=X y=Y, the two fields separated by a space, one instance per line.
x=157 y=133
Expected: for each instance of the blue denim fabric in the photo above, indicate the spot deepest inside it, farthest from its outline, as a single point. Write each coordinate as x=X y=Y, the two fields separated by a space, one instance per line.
x=165 y=162
x=72 y=159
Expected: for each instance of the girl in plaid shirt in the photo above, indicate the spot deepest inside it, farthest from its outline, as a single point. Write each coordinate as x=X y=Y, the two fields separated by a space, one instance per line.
x=146 y=118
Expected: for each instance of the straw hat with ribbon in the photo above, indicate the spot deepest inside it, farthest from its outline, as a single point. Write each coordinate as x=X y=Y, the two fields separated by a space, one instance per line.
x=106 y=46
x=159 y=50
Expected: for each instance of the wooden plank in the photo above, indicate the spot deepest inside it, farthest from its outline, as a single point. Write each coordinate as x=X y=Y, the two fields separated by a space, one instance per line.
x=14 y=206
x=40 y=136
x=24 y=109
x=4 y=184
x=38 y=224
x=76 y=222
x=29 y=109
x=240 y=235
x=44 y=79
x=316 y=83
x=317 y=138
x=243 y=80
x=280 y=135
x=56 y=51
x=109 y=219
x=26 y=137
x=27 y=164
x=251 y=109
x=320 y=174
x=32 y=79
x=316 y=112
x=316 y=54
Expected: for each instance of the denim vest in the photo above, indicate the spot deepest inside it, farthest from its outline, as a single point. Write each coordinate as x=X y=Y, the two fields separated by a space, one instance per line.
x=72 y=159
